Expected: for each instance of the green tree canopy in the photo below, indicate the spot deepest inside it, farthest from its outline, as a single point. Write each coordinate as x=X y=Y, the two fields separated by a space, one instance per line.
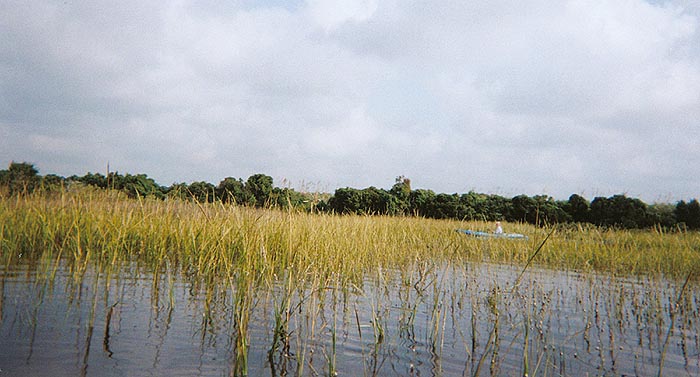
x=688 y=213
x=578 y=208
x=619 y=211
x=259 y=186
x=231 y=190
x=203 y=192
x=20 y=178
x=346 y=200
x=420 y=201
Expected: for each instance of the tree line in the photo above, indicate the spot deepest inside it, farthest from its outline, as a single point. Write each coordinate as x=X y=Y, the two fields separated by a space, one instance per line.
x=258 y=190
x=617 y=211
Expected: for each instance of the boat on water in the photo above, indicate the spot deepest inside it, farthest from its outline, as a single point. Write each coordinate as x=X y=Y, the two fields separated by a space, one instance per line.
x=476 y=233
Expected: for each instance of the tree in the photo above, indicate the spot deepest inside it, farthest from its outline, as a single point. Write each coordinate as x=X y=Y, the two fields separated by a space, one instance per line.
x=476 y=205
x=495 y=207
x=688 y=213
x=538 y=210
x=372 y=202
x=139 y=185
x=445 y=206
x=619 y=211
x=662 y=214
x=578 y=208
x=20 y=178
x=346 y=200
x=203 y=192
x=378 y=201
x=231 y=190
x=259 y=186
x=548 y=211
x=468 y=205
x=178 y=191
x=51 y=182
x=287 y=197
x=97 y=179
x=401 y=191
x=524 y=209
x=420 y=202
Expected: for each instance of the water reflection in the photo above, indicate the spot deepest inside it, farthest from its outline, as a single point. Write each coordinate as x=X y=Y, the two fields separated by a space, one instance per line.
x=422 y=320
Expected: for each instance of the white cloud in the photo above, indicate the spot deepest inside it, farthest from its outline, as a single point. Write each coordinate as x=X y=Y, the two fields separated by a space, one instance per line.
x=332 y=14
x=351 y=135
x=500 y=95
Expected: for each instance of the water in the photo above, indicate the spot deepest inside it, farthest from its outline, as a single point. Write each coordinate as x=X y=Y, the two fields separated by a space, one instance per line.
x=449 y=320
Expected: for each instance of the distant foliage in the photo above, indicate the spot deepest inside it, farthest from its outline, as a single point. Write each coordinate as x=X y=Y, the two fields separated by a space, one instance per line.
x=620 y=211
x=232 y=190
x=688 y=214
x=369 y=201
x=419 y=202
x=578 y=209
x=203 y=192
x=617 y=211
x=259 y=187
x=20 y=178
x=134 y=186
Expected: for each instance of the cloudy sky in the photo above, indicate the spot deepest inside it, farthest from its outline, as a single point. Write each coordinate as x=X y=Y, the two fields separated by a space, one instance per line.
x=595 y=97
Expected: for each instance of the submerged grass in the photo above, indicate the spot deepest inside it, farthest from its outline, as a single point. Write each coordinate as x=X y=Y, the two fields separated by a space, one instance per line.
x=311 y=271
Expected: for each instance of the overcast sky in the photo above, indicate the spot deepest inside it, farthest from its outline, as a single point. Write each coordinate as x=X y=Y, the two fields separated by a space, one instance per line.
x=504 y=97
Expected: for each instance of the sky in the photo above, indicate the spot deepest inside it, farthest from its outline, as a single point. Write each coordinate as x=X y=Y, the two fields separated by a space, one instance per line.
x=506 y=97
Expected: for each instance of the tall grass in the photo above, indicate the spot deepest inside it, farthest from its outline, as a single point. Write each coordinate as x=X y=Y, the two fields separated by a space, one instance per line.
x=215 y=240
x=297 y=266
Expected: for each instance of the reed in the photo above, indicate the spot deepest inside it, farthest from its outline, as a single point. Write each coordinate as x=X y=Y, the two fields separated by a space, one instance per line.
x=300 y=268
x=105 y=228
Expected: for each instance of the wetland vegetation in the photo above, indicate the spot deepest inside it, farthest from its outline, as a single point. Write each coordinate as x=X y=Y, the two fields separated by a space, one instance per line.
x=96 y=282
x=617 y=211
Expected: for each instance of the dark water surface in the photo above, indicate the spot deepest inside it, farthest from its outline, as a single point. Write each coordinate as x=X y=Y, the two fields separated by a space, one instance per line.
x=449 y=320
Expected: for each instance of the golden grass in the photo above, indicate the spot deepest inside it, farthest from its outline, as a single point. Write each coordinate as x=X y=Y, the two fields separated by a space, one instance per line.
x=216 y=240
x=300 y=258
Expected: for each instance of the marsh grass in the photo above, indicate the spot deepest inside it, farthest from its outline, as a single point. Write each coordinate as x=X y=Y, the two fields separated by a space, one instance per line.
x=243 y=260
x=104 y=228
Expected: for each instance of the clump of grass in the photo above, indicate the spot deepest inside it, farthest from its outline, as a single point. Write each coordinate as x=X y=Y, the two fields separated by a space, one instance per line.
x=209 y=240
x=105 y=228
